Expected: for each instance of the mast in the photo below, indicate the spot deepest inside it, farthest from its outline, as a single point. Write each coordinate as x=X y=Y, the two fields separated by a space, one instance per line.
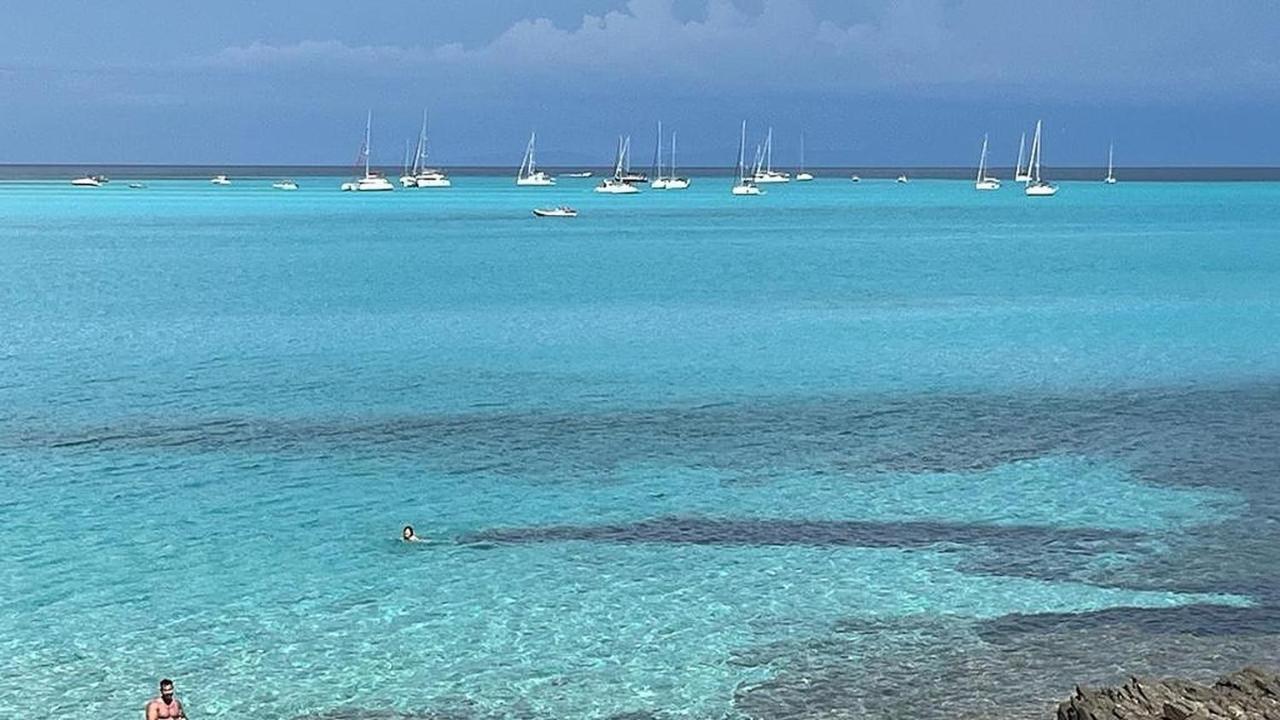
x=404 y=168
x=626 y=155
x=1022 y=144
x=982 y=159
x=768 y=151
x=673 y=153
x=1035 y=154
x=526 y=165
x=801 y=152
x=657 y=154
x=420 y=162
x=1111 y=149
x=617 y=161
x=742 y=153
x=368 y=124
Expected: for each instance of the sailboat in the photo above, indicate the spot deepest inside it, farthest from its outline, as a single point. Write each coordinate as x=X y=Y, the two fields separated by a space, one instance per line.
x=983 y=182
x=675 y=182
x=801 y=174
x=902 y=179
x=373 y=181
x=423 y=176
x=406 y=176
x=659 y=182
x=528 y=174
x=744 y=185
x=767 y=174
x=1036 y=187
x=1110 y=179
x=618 y=185
x=1019 y=174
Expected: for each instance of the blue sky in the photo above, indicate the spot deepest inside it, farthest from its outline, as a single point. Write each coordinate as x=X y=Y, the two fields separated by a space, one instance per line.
x=869 y=83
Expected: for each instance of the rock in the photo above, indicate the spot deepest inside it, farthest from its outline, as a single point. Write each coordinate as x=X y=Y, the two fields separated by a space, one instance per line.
x=1250 y=694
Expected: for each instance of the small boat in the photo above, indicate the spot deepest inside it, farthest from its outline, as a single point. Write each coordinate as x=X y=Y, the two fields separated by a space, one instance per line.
x=137 y=186
x=373 y=181
x=766 y=174
x=220 y=180
x=903 y=179
x=528 y=174
x=408 y=178
x=90 y=181
x=1110 y=179
x=801 y=174
x=423 y=176
x=744 y=185
x=983 y=182
x=583 y=174
x=1037 y=187
x=854 y=178
x=1019 y=173
x=285 y=185
x=561 y=211
x=618 y=184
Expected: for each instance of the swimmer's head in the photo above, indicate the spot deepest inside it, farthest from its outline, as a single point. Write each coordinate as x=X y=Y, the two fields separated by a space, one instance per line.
x=166 y=689
x=407 y=533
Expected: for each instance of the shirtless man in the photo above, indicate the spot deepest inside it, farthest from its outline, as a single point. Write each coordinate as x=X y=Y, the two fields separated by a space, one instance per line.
x=166 y=707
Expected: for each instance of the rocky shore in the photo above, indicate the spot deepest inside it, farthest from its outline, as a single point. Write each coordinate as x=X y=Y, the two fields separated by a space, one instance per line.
x=1250 y=694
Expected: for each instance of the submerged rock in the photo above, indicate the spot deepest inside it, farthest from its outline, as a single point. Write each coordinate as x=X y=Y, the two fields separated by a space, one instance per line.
x=1250 y=694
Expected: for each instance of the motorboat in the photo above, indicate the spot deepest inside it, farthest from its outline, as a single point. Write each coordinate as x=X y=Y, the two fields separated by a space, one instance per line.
x=583 y=174
x=563 y=211
x=285 y=185
x=220 y=180
x=90 y=181
x=902 y=179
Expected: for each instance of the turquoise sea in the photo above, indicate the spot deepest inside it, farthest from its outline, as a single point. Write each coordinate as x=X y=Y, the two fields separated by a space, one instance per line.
x=872 y=450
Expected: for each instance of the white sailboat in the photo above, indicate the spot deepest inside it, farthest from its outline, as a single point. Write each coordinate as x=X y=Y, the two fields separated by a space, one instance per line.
x=423 y=176
x=407 y=178
x=1110 y=179
x=744 y=185
x=801 y=174
x=618 y=185
x=983 y=182
x=659 y=182
x=220 y=180
x=1037 y=187
x=529 y=174
x=767 y=174
x=675 y=182
x=1019 y=174
x=373 y=181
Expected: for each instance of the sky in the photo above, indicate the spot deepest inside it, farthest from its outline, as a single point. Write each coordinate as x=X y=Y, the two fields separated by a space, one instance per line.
x=868 y=83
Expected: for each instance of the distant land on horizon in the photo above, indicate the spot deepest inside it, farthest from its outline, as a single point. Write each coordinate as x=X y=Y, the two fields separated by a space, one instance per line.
x=18 y=172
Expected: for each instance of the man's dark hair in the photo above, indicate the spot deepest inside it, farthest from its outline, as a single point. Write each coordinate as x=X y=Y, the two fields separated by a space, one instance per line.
x=166 y=683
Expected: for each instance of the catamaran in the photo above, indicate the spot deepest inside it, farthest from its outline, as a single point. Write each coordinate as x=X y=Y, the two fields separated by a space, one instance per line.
x=423 y=176
x=744 y=185
x=670 y=181
x=983 y=182
x=1036 y=187
x=1019 y=174
x=801 y=174
x=1110 y=179
x=528 y=174
x=407 y=178
x=373 y=181
x=767 y=174
x=618 y=184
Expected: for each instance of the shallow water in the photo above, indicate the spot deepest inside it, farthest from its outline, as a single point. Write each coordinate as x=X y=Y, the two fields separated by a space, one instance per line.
x=686 y=455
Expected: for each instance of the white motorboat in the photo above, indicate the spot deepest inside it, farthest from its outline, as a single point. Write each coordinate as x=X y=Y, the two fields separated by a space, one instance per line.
x=220 y=180
x=583 y=174
x=1036 y=186
x=564 y=211
x=744 y=185
x=1019 y=173
x=1110 y=179
x=902 y=179
x=528 y=175
x=854 y=178
x=373 y=181
x=802 y=175
x=983 y=182
x=89 y=181
x=137 y=186
x=285 y=185
x=766 y=174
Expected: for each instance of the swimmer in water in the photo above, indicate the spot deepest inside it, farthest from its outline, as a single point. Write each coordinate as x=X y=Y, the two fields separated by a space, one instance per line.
x=166 y=707
x=408 y=536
